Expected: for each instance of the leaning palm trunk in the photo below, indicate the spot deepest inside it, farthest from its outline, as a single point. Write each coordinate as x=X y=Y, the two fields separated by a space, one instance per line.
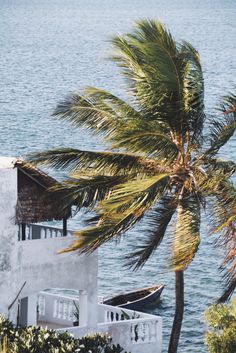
x=185 y=244
x=179 y=312
x=158 y=164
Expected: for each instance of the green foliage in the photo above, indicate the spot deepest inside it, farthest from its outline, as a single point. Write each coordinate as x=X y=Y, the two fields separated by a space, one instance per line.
x=161 y=165
x=221 y=130
x=4 y=346
x=99 y=344
x=221 y=336
x=37 y=340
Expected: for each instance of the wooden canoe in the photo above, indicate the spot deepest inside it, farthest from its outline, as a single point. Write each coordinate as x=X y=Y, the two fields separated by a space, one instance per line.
x=136 y=300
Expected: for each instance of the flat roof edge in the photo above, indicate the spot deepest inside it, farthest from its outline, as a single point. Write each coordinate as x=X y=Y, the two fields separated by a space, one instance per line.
x=7 y=162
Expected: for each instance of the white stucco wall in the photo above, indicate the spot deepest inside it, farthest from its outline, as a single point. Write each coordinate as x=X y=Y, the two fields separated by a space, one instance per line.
x=8 y=233
x=36 y=262
x=42 y=267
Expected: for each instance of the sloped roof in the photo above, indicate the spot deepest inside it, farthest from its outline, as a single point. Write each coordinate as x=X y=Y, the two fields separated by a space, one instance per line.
x=35 y=202
x=36 y=174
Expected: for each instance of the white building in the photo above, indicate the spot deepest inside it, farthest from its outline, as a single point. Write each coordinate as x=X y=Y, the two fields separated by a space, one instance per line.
x=29 y=264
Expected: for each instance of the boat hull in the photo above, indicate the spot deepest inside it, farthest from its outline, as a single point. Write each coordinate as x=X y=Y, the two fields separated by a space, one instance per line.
x=149 y=298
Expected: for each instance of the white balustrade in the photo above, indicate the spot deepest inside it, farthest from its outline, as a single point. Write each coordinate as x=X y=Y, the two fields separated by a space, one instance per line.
x=143 y=332
x=108 y=313
x=61 y=309
x=41 y=305
x=136 y=327
x=64 y=309
x=38 y=231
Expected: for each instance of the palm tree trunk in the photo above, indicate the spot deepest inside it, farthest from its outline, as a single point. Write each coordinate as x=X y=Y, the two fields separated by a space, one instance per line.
x=179 y=311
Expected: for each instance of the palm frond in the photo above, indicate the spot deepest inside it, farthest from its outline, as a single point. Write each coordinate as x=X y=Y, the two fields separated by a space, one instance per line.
x=124 y=207
x=149 y=58
x=123 y=109
x=229 y=220
x=222 y=130
x=98 y=110
x=229 y=104
x=135 y=195
x=85 y=111
x=223 y=220
x=220 y=166
x=108 y=163
x=193 y=91
x=157 y=221
x=216 y=184
x=153 y=144
x=160 y=77
x=85 y=191
x=88 y=240
x=187 y=233
x=227 y=242
x=224 y=206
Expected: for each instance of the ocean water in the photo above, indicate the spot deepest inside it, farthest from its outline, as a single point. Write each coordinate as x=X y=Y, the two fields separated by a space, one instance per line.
x=52 y=47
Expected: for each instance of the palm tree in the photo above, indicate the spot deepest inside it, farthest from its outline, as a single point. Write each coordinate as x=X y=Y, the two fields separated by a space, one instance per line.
x=158 y=165
x=227 y=211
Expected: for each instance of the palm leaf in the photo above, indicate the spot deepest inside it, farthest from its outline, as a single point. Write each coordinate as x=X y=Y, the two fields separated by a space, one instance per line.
x=98 y=162
x=223 y=205
x=153 y=144
x=85 y=191
x=220 y=166
x=84 y=111
x=157 y=221
x=135 y=195
x=123 y=109
x=230 y=218
x=186 y=235
x=148 y=57
x=121 y=211
x=193 y=92
x=90 y=239
x=222 y=130
x=228 y=243
x=216 y=184
x=161 y=78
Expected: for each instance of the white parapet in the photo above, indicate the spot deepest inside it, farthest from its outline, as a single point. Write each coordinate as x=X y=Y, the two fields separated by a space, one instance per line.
x=136 y=332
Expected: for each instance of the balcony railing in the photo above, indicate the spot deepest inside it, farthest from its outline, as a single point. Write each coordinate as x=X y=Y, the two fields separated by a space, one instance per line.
x=137 y=332
x=38 y=231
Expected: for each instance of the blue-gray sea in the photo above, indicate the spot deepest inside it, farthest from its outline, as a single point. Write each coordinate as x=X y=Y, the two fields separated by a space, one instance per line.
x=52 y=47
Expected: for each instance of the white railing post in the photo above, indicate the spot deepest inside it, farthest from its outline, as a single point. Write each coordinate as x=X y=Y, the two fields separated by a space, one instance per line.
x=49 y=308
x=32 y=310
x=41 y=304
x=83 y=305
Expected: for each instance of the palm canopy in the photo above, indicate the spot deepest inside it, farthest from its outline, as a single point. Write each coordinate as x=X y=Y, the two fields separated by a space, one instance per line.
x=160 y=164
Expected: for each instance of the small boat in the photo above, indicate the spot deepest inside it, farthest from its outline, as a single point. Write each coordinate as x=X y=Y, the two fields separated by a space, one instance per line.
x=137 y=299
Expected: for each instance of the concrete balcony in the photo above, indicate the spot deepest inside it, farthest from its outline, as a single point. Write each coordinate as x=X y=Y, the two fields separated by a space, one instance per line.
x=42 y=267
x=136 y=332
